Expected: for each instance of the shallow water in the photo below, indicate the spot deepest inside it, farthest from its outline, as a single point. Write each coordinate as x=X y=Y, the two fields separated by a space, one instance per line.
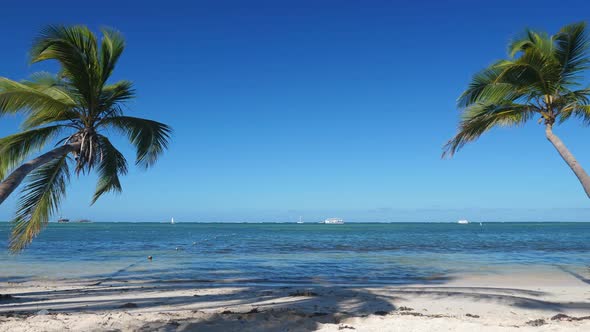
x=357 y=253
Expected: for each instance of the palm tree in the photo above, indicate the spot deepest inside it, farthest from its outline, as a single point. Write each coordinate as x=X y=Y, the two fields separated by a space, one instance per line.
x=75 y=110
x=541 y=79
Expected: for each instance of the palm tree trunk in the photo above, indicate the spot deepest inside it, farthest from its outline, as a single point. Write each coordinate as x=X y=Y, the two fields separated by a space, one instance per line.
x=569 y=158
x=17 y=176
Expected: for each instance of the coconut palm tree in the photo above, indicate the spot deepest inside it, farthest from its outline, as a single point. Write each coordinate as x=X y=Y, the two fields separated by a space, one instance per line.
x=541 y=79
x=75 y=110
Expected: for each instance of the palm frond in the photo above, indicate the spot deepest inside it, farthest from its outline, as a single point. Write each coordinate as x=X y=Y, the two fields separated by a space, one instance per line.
x=581 y=95
x=578 y=110
x=16 y=97
x=39 y=200
x=53 y=86
x=570 y=104
x=112 y=47
x=519 y=45
x=535 y=70
x=150 y=138
x=534 y=62
x=506 y=81
x=112 y=164
x=114 y=94
x=482 y=84
x=539 y=41
x=572 y=46
x=43 y=79
x=480 y=118
x=14 y=149
x=44 y=99
x=583 y=112
x=75 y=48
x=46 y=117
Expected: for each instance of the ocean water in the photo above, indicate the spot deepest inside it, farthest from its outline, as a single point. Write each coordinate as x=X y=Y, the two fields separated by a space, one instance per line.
x=359 y=253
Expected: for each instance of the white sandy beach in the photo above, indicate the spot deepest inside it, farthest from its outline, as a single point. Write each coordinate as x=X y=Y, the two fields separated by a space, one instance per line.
x=517 y=301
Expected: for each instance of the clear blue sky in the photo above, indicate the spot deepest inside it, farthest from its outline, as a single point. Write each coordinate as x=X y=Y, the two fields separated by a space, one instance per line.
x=315 y=108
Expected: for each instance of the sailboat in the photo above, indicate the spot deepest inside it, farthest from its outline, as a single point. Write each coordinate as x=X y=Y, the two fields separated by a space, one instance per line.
x=172 y=221
x=300 y=221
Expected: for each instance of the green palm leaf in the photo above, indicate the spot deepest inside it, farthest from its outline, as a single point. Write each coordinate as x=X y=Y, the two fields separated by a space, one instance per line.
x=479 y=118
x=112 y=164
x=45 y=97
x=16 y=148
x=112 y=47
x=150 y=138
x=40 y=199
x=572 y=51
x=53 y=86
x=484 y=81
x=75 y=48
x=16 y=97
x=115 y=94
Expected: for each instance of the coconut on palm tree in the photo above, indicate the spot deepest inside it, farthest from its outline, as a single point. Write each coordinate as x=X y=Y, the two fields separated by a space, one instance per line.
x=75 y=110
x=541 y=80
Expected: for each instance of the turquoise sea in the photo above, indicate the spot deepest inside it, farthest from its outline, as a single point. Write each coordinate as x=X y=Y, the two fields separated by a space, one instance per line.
x=359 y=253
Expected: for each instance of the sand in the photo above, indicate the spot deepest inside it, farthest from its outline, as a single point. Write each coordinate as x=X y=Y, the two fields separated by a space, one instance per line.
x=510 y=301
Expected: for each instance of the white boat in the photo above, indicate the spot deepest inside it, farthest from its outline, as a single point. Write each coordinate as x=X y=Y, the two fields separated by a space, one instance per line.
x=300 y=221
x=463 y=222
x=334 y=221
x=172 y=220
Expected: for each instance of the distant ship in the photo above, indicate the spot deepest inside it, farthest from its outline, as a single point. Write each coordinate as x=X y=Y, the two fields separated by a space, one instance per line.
x=463 y=222
x=63 y=220
x=172 y=221
x=334 y=221
x=84 y=220
x=300 y=221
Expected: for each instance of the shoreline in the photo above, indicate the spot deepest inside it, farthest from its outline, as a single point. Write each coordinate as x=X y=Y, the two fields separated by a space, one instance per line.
x=509 y=301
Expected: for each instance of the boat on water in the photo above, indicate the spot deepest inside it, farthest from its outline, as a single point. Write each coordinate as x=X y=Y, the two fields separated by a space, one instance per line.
x=334 y=221
x=84 y=220
x=463 y=222
x=300 y=221
x=172 y=221
x=63 y=220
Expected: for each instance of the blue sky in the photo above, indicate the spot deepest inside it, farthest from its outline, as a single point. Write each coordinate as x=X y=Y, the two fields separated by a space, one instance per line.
x=315 y=108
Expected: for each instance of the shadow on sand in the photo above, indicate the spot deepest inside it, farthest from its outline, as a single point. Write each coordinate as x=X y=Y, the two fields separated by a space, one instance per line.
x=195 y=305
x=222 y=306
